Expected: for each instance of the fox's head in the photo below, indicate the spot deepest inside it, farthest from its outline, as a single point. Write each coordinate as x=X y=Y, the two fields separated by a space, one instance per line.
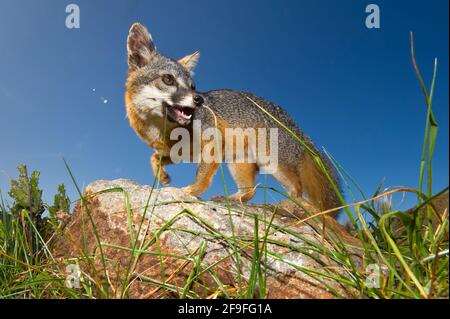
x=157 y=85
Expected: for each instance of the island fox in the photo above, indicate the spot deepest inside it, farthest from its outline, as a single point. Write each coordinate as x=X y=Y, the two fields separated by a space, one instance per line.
x=161 y=96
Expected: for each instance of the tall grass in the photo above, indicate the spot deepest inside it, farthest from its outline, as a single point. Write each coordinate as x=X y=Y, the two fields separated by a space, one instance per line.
x=409 y=249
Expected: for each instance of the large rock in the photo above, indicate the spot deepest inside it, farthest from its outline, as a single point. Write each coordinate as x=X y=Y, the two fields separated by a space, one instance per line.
x=190 y=248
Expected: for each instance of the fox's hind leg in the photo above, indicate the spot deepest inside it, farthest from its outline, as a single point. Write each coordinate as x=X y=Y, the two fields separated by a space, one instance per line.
x=290 y=181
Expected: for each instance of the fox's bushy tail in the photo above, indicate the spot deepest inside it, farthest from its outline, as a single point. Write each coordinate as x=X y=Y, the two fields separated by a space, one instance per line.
x=317 y=186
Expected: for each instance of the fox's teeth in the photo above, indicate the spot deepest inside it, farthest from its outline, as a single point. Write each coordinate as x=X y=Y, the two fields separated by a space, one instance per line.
x=183 y=114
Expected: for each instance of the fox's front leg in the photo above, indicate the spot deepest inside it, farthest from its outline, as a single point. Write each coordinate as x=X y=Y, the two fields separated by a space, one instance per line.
x=203 y=179
x=157 y=162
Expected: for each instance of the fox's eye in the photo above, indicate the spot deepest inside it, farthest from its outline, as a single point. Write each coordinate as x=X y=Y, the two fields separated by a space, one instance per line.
x=193 y=87
x=168 y=79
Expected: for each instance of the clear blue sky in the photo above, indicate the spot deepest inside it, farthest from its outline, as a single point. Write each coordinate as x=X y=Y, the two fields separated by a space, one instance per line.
x=352 y=89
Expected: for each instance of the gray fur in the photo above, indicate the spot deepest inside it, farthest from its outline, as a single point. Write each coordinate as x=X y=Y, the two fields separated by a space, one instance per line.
x=152 y=71
x=237 y=110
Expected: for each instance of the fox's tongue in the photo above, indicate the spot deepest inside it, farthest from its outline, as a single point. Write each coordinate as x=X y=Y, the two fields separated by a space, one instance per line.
x=182 y=113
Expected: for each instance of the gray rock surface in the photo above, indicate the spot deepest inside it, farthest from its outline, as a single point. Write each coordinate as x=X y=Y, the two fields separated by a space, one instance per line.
x=182 y=239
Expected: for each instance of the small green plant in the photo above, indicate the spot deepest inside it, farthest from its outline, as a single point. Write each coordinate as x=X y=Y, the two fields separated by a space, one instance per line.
x=61 y=203
x=27 y=208
x=26 y=194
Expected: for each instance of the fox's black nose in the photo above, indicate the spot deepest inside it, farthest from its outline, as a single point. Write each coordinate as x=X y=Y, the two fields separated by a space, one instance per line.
x=198 y=100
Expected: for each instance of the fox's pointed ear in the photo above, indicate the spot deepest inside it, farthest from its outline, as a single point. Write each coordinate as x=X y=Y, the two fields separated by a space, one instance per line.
x=190 y=61
x=140 y=45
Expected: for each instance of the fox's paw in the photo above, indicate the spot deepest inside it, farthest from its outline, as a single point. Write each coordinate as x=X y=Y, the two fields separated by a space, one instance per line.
x=239 y=197
x=190 y=190
x=164 y=179
x=224 y=199
x=302 y=209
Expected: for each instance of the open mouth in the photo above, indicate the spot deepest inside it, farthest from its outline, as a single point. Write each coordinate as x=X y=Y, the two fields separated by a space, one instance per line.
x=183 y=112
x=181 y=115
